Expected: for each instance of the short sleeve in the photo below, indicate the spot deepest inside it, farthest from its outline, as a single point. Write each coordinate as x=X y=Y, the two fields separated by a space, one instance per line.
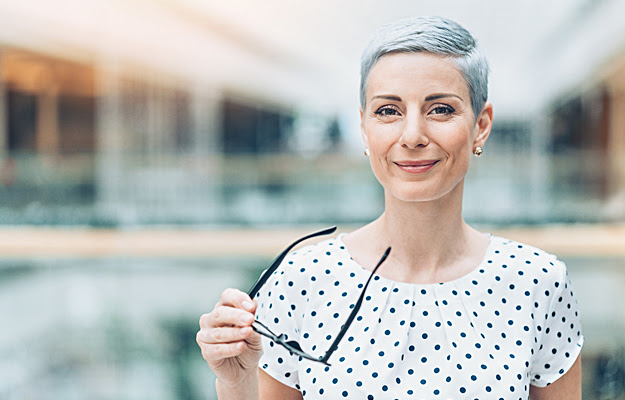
x=279 y=314
x=560 y=340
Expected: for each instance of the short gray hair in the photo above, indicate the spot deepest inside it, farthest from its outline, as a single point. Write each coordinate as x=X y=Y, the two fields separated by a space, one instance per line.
x=435 y=35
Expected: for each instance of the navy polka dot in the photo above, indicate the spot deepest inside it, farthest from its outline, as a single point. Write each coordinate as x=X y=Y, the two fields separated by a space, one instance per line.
x=511 y=322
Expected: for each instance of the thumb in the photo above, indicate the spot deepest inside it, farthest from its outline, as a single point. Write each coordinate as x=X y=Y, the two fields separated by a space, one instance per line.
x=254 y=341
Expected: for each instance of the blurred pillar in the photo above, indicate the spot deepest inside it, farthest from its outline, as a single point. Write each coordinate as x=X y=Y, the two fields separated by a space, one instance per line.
x=4 y=129
x=205 y=113
x=109 y=140
x=540 y=176
x=47 y=122
x=616 y=142
x=153 y=190
x=154 y=122
x=615 y=146
x=206 y=123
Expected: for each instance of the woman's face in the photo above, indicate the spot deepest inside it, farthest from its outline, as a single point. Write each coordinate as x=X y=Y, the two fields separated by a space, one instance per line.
x=419 y=126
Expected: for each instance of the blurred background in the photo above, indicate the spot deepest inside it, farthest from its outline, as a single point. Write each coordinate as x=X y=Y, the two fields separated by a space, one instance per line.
x=155 y=152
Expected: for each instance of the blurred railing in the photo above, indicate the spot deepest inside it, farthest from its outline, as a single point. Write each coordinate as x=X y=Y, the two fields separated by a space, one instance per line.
x=192 y=188
x=124 y=327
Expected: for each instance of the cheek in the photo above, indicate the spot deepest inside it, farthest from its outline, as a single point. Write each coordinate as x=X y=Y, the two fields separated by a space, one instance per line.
x=380 y=137
x=458 y=148
x=457 y=140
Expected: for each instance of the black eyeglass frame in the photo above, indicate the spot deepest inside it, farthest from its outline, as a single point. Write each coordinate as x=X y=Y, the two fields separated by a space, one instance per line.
x=292 y=345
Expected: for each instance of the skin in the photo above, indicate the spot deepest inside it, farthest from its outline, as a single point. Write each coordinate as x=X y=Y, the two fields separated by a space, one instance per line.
x=232 y=350
x=417 y=108
x=568 y=386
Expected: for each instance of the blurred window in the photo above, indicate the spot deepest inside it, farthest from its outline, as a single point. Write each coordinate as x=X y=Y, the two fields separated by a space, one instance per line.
x=511 y=136
x=252 y=129
x=581 y=123
x=76 y=119
x=22 y=114
x=579 y=143
x=183 y=129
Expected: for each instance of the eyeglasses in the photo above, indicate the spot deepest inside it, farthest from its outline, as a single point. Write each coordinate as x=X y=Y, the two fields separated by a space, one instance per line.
x=292 y=345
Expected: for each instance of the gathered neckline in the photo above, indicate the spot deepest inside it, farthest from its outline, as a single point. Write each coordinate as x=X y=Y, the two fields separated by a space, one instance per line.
x=466 y=277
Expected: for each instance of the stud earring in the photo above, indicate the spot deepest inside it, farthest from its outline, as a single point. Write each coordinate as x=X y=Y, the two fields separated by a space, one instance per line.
x=478 y=151
x=367 y=152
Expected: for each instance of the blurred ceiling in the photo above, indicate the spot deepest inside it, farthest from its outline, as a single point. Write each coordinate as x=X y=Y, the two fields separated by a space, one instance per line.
x=307 y=53
x=537 y=49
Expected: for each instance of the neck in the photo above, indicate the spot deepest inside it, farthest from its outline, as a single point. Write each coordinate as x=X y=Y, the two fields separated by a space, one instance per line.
x=425 y=236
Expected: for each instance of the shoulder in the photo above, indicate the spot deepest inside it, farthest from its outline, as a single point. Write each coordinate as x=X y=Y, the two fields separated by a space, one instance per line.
x=527 y=261
x=307 y=270
x=322 y=253
x=310 y=261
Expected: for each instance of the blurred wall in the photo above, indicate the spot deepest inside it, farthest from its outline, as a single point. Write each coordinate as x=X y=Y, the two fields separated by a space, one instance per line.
x=129 y=114
x=135 y=108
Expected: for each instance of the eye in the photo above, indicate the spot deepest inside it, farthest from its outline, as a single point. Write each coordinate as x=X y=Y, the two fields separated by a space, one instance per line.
x=442 y=110
x=386 y=111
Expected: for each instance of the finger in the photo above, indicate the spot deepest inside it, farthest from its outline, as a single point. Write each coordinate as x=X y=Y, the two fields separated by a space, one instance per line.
x=223 y=335
x=220 y=351
x=226 y=316
x=236 y=298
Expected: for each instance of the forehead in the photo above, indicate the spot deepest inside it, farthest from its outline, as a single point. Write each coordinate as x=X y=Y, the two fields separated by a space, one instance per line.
x=416 y=73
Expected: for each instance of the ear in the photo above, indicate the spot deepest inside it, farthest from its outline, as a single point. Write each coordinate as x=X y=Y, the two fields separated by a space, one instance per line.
x=362 y=129
x=483 y=125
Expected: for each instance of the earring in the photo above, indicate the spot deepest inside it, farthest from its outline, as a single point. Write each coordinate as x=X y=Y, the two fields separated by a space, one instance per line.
x=367 y=152
x=478 y=151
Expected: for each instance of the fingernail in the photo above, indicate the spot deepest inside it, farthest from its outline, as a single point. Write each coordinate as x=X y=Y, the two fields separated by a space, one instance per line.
x=245 y=330
x=246 y=318
x=248 y=305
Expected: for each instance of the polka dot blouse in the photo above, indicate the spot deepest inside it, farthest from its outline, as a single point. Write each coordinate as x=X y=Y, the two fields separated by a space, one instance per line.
x=511 y=322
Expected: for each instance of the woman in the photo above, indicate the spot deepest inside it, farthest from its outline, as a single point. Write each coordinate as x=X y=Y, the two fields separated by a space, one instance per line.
x=452 y=313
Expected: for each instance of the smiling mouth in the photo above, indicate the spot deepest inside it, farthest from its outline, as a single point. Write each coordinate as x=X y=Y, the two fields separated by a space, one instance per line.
x=416 y=167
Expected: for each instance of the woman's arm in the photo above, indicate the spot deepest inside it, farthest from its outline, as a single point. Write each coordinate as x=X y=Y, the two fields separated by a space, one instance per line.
x=247 y=389
x=231 y=347
x=271 y=389
x=567 y=387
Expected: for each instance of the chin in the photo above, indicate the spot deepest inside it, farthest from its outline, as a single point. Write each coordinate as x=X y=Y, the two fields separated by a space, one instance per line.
x=420 y=192
x=415 y=195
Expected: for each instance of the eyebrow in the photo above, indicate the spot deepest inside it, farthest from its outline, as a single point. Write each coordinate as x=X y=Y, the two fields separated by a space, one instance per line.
x=440 y=96
x=387 y=97
x=428 y=98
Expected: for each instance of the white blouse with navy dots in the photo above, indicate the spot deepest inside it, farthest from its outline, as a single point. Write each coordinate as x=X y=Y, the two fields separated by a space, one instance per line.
x=511 y=322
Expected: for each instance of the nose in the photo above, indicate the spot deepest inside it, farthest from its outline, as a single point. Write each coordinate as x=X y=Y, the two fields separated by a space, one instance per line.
x=414 y=133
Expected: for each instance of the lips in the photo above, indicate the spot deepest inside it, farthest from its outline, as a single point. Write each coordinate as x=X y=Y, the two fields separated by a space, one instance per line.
x=416 y=163
x=416 y=167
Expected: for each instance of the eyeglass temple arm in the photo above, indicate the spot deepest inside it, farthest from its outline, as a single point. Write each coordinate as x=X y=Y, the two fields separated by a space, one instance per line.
x=354 y=312
x=274 y=265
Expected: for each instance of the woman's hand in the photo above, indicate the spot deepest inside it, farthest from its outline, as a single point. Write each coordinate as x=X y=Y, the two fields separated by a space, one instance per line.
x=229 y=345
